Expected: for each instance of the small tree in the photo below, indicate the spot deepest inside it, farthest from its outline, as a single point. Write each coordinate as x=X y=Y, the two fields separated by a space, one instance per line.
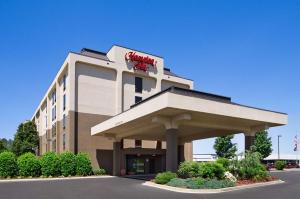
x=26 y=139
x=262 y=144
x=2 y=146
x=224 y=147
x=7 y=143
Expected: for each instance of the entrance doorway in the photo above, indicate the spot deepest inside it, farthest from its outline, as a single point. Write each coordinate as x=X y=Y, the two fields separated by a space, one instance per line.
x=143 y=164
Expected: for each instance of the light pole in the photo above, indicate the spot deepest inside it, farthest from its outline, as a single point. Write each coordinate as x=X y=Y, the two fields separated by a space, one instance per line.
x=278 y=136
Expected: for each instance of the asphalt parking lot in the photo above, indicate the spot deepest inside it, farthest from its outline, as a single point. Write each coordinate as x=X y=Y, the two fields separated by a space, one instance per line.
x=114 y=188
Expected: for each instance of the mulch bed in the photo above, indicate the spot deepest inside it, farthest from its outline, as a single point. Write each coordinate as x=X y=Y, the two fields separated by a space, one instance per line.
x=246 y=182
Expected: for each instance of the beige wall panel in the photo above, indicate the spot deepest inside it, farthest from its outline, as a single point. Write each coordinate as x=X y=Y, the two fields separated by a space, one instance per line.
x=149 y=85
x=128 y=143
x=87 y=143
x=188 y=151
x=147 y=144
x=96 y=89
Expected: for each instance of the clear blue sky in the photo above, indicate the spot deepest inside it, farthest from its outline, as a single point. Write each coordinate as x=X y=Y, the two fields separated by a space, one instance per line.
x=248 y=50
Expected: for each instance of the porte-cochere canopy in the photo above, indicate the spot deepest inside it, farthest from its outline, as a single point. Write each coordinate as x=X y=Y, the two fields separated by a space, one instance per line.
x=196 y=115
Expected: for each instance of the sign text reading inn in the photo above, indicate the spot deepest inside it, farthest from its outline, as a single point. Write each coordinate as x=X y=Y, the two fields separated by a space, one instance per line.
x=141 y=61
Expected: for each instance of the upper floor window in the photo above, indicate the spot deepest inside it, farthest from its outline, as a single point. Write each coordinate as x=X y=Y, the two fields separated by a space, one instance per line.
x=138 y=85
x=64 y=102
x=64 y=121
x=53 y=97
x=53 y=130
x=64 y=82
x=54 y=113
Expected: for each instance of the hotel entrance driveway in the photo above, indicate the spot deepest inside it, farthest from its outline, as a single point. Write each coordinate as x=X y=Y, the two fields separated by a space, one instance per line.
x=123 y=188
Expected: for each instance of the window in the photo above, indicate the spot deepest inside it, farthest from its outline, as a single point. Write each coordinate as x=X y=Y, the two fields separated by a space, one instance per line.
x=53 y=113
x=64 y=121
x=53 y=97
x=138 y=85
x=64 y=141
x=158 y=145
x=64 y=82
x=138 y=143
x=64 y=102
x=53 y=130
x=138 y=99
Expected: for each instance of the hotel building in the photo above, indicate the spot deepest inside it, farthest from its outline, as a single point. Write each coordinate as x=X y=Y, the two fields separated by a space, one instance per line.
x=132 y=115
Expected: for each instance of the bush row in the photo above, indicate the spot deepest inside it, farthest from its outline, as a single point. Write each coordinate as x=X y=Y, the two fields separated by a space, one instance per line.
x=204 y=170
x=249 y=168
x=50 y=164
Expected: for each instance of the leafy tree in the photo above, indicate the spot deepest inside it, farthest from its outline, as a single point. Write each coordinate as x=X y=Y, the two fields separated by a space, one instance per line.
x=26 y=139
x=2 y=146
x=262 y=144
x=7 y=143
x=224 y=147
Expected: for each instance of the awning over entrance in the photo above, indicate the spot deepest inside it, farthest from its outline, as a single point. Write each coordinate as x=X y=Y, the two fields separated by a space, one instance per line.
x=196 y=115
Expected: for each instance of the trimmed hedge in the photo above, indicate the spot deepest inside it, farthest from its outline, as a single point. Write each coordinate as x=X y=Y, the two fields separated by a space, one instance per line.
x=50 y=164
x=68 y=164
x=8 y=165
x=29 y=165
x=83 y=165
x=165 y=177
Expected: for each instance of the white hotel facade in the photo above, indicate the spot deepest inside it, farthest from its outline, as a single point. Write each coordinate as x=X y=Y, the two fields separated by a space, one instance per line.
x=134 y=116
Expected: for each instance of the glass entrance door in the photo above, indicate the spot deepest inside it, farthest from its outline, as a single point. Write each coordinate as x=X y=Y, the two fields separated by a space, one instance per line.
x=135 y=165
x=143 y=164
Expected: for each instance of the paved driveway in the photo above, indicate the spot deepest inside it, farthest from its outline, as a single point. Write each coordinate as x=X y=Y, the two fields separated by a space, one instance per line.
x=115 y=188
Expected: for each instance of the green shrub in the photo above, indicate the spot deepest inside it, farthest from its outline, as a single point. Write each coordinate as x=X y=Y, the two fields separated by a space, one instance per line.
x=83 y=165
x=99 y=172
x=212 y=170
x=224 y=162
x=251 y=168
x=177 y=182
x=280 y=164
x=8 y=164
x=50 y=164
x=29 y=165
x=189 y=169
x=67 y=164
x=165 y=177
x=218 y=184
x=200 y=183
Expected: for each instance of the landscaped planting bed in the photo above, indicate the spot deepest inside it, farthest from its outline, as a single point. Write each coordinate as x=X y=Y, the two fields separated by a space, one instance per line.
x=223 y=173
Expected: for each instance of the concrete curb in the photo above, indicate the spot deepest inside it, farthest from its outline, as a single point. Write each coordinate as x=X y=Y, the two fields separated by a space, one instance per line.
x=52 y=179
x=210 y=191
x=285 y=170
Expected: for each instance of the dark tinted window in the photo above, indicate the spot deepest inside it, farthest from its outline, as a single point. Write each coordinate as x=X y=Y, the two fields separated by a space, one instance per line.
x=138 y=99
x=138 y=143
x=138 y=85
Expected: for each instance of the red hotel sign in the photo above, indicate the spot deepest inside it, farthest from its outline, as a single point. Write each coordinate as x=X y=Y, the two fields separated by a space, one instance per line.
x=141 y=62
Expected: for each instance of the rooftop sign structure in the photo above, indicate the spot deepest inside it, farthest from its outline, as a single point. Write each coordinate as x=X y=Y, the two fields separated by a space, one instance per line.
x=141 y=62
